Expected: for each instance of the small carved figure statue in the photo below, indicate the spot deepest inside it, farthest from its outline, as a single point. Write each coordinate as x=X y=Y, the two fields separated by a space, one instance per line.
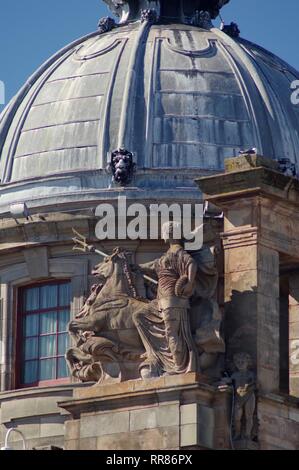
x=244 y=383
x=121 y=166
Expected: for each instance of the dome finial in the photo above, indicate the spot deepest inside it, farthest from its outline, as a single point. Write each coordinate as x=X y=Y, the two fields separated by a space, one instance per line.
x=175 y=10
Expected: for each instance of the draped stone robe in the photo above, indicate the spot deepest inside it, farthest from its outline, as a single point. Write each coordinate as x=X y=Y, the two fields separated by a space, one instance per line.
x=164 y=325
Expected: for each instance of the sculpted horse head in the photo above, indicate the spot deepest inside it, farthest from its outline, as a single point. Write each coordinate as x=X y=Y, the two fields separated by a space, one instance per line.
x=105 y=269
x=110 y=319
x=116 y=273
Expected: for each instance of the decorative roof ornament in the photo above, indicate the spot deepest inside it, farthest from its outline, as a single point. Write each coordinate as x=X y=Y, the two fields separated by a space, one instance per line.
x=202 y=19
x=106 y=24
x=174 y=10
x=148 y=15
x=287 y=167
x=231 y=30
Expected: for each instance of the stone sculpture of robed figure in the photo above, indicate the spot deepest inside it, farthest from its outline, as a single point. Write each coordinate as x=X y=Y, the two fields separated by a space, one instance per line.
x=125 y=331
x=165 y=331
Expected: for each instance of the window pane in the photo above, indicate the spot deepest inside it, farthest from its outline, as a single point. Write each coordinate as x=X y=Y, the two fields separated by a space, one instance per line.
x=45 y=337
x=31 y=348
x=30 y=372
x=63 y=320
x=47 y=369
x=63 y=370
x=63 y=343
x=31 y=299
x=48 y=296
x=47 y=346
x=31 y=325
x=64 y=294
x=48 y=322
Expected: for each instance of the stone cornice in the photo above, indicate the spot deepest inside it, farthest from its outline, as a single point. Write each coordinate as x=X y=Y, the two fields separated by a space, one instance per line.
x=256 y=181
x=120 y=395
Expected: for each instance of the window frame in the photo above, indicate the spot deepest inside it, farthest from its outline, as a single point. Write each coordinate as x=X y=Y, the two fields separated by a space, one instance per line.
x=19 y=315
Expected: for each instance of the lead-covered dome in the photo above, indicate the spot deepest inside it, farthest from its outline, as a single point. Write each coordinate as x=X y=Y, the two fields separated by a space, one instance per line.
x=181 y=97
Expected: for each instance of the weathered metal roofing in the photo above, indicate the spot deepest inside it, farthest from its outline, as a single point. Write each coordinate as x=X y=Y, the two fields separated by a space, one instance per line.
x=177 y=96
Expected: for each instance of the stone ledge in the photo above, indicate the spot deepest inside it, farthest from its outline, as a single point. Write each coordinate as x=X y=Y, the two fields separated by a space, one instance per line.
x=246 y=162
x=136 y=394
x=132 y=386
x=255 y=181
x=249 y=175
x=30 y=407
x=40 y=391
x=25 y=403
x=281 y=399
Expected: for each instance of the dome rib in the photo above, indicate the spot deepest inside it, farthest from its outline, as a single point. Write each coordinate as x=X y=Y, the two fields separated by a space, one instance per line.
x=126 y=122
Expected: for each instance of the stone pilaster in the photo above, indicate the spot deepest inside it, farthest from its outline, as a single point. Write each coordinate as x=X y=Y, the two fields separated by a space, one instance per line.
x=252 y=302
x=261 y=226
x=294 y=334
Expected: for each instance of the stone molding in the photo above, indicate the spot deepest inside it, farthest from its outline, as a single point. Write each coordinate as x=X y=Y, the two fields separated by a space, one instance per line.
x=240 y=237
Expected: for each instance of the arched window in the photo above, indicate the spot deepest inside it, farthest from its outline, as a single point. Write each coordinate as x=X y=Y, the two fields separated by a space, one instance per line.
x=43 y=312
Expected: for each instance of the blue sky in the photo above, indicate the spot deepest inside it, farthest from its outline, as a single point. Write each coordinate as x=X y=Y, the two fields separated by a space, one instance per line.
x=32 y=30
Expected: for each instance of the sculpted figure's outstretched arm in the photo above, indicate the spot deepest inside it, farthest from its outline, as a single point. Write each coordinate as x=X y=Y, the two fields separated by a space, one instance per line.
x=148 y=269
